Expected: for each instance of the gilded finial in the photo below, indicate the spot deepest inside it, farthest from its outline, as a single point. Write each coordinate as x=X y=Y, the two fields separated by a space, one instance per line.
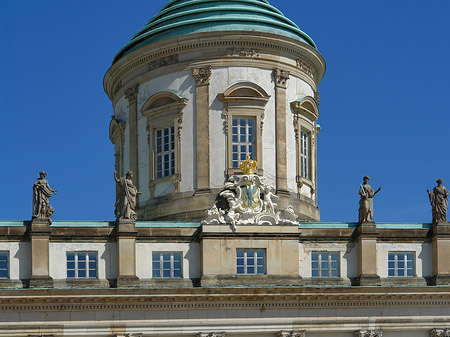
x=248 y=166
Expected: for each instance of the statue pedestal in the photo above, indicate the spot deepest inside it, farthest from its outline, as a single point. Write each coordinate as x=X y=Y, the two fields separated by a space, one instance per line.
x=126 y=253
x=40 y=232
x=366 y=236
x=440 y=239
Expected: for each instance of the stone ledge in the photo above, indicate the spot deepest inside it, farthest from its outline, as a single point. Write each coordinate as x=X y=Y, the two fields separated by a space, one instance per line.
x=249 y=280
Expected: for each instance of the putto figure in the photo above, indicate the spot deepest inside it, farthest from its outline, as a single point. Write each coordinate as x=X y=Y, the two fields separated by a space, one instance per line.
x=41 y=196
x=439 y=202
x=366 y=202
x=126 y=202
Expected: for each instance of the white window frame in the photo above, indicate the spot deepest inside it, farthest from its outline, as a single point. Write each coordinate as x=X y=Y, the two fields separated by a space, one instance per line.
x=248 y=144
x=77 y=269
x=305 y=153
x=161 y=154
x=329 y=268
x=7 y=265
x=245 y=259
x=405 y=261
x=171 y=268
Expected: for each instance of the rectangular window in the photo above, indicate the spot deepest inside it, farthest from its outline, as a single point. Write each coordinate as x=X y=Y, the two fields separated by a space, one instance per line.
x=305 y=140
x=325 y=264
x=243 y=140
x=167 y=265
x=81 y=264
x=401 y=264
x=165 y=152
x=250 y=261
x=4 y=265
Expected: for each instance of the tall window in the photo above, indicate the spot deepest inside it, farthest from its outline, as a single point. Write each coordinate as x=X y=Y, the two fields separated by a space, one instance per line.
x=325 y=264
x=167 y=265
x=401 y=264
x=305 y=141
x=165 y=152
x=243 y=140
x=81 y=265
x=250 y=261
x=4 y=265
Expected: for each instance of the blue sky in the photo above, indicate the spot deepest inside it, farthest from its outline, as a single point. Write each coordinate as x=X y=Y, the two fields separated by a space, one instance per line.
x=384 y=102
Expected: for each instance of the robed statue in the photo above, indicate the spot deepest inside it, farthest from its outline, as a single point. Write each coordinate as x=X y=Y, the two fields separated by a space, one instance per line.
x=126 y=199
x=41 y=196
x=366 y=202
x=439 y=202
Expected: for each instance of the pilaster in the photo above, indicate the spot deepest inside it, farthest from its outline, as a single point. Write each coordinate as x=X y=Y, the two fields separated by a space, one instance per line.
x=40 y=232
x=126 y=253
x=366 y=237
x=280 y=78
x=131 y=94
x=202 y=76
x=440 y=238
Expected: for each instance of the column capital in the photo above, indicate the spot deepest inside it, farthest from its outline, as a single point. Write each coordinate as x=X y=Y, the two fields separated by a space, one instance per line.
x=132 y=93
x=293 y=333
x=211 y=334
x=281 y=77
x=436 y=332
x=202 y=75
x=368 y=333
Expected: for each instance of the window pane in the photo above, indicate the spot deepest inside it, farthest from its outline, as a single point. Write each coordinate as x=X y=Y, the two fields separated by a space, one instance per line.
x=70 y=273
x=81 y=273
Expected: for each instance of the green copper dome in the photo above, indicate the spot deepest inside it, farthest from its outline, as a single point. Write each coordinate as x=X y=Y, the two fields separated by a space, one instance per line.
x=181 y=17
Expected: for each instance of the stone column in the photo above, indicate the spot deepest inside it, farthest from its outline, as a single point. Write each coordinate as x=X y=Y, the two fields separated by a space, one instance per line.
x=293 y=333
x=280 y=77
x=126 y=253
x=366 y=237
x=201 y=76
x=368 y=333
x=40 y=232
x=441 y=252
x=131 y=94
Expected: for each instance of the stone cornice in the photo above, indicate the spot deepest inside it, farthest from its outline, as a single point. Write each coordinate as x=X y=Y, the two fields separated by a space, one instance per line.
x=212 y=298
x=305 y=58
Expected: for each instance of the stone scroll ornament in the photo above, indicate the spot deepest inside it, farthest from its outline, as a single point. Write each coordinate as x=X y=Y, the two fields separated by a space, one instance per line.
x=439 y=202
x=126 y=200
x=249 y=201
x=366 y=202
x=41 y=196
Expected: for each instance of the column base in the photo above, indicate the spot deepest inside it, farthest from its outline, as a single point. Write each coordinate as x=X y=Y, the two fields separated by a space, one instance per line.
x=40 y=282
x=127 y=281
x=202 y=191
x=367 y=280
x=440 y=280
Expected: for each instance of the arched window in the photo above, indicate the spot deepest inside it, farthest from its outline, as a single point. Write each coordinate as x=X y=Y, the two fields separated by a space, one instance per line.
x=306 y=113
x=164 y=113
x=243 y=114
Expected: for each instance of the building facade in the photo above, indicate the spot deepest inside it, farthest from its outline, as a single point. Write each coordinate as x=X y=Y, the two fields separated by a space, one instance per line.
x=215 y=113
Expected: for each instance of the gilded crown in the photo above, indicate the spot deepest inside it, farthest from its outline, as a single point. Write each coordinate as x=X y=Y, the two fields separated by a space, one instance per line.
x=248 y=166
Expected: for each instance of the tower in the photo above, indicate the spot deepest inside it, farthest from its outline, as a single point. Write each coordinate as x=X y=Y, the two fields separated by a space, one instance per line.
x=202 y=85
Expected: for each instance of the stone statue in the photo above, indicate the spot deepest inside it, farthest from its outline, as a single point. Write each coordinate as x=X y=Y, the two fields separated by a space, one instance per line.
x=439 y=202
x=366 y=202
x=269 y=205
x=126 y=202
x=41 y=196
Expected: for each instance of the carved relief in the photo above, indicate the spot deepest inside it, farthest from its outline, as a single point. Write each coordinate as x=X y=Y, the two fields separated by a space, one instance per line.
x=132 y=93
x=211 y=334
x=316 y=97
x=201 y=75
x=281 y=77
x=225 y=119
x=294 y=333
x=368 y=333
x=439 y=332
x=165 y=61
x=243 y=52
x=303 y=67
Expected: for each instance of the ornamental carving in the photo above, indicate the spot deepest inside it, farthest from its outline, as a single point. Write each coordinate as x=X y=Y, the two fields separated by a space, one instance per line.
x=281 y=77
x=303 y=67
x=201 y=75
x=368 y=333
x=165 y=61
x=316 y=97
x=246 y=200
x=294 y=333
x=439 y=332
x=131 y=94
x=243 y=52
